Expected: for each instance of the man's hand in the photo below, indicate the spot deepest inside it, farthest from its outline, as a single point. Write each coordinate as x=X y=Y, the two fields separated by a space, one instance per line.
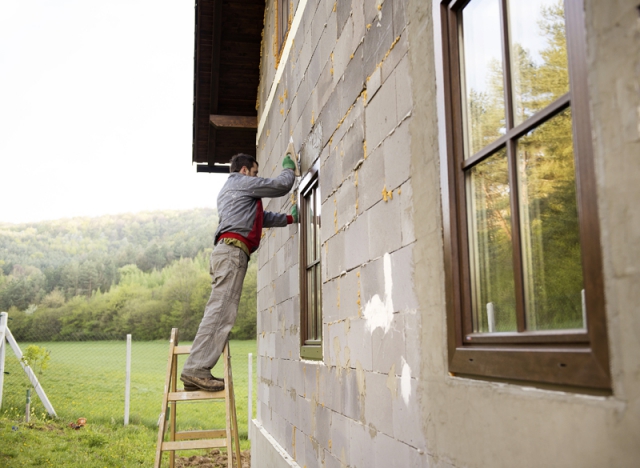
x=294 y=213
x=288 y=163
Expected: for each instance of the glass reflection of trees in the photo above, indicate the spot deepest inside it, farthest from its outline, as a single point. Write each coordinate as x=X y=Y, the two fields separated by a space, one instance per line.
x=550 y=245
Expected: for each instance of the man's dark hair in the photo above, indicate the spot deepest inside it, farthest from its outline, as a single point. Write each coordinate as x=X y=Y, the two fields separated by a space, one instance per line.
x=240 y=160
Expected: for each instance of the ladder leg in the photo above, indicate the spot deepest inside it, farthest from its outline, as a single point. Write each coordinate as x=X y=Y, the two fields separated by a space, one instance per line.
x=210 y=438
x=174 y=407
x=234 y=416
x=227 y=399
x=163 y=419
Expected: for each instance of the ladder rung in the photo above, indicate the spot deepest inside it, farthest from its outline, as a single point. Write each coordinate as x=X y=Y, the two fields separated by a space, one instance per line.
x=194 y=444
x=192 y=396
x=211 y=434
x=182 y=350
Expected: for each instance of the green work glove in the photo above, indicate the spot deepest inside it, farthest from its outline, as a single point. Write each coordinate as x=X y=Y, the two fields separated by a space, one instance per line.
x=288 y=163
x=294 y=213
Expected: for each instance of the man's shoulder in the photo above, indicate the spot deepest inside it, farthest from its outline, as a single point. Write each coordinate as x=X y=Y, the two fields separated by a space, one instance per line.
x=233 y=180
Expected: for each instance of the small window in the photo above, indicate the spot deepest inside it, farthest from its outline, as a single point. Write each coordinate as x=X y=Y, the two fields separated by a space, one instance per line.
x=526 y=296
x=282 y=23
x=310 y=271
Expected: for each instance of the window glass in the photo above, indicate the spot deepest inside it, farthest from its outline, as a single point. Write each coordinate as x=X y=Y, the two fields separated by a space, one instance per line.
x=552 y=266
x=483 y=75
x=490 y=246
x=309 y=231
x=317 y=222
x=538 y=46
x=311 y=303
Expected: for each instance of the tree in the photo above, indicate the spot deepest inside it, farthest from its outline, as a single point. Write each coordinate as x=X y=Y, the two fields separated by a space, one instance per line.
x=37 y=358
x=186 y=291
x=246 y=323
x=25 y=285
x=53 y=300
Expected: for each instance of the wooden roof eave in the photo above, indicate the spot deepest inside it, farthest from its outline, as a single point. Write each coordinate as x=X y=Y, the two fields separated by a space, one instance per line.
x=224 y=114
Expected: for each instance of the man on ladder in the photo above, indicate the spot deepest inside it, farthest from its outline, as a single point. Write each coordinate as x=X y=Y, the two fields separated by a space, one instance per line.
x=241 y=219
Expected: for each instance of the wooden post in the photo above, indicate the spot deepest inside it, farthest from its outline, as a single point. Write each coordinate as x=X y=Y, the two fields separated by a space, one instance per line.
x=28 y=407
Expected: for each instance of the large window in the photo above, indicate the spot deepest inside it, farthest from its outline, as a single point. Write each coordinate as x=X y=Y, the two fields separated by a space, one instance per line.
x=525 y=294
x=310 y=271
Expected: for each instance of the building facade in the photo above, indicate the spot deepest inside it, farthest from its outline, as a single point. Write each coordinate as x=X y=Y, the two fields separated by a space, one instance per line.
x=462 y=287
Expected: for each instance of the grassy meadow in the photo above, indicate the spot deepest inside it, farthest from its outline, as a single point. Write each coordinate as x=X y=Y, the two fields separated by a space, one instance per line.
x=87 y=379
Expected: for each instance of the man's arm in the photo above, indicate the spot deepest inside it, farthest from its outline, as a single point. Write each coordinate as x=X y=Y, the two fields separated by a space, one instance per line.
x=259 y=187
x=275 y=219
x=271 y=219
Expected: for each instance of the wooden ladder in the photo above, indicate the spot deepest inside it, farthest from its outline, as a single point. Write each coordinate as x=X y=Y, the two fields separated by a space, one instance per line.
x=201 y=439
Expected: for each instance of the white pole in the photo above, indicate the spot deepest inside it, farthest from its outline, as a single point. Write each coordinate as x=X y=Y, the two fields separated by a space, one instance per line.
x=32 y=377
x=3 y=325
x=250 y=392
x=491 y=317
x=127 y=384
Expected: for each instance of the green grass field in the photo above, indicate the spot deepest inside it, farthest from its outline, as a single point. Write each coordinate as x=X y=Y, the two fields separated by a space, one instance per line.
x=87 y=379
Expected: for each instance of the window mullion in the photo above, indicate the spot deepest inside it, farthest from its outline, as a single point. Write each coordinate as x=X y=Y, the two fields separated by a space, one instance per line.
x=513 y=172
x=506 y=59
x=516 y=235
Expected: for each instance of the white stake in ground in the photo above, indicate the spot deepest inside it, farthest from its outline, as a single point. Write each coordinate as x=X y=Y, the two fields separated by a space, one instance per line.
x=27 y=370
x=250 y=397
x=127 y=383
x=491 y=317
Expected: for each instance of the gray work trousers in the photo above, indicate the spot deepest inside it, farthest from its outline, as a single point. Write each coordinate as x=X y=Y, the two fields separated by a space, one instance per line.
x=228 y=266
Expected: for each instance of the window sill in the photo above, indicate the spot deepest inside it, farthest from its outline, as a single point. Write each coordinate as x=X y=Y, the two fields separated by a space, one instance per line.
x=575 y=366
x=311 y=352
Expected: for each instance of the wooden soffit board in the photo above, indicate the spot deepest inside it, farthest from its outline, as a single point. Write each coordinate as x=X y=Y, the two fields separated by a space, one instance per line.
x=228 y=35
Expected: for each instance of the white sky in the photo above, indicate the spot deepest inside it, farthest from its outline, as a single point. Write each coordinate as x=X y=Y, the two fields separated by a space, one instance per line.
x=96 y=109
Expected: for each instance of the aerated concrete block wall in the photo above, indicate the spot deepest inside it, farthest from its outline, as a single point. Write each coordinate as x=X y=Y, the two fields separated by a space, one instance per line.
x=345 y=98
x=484 y=423
x=361 y=94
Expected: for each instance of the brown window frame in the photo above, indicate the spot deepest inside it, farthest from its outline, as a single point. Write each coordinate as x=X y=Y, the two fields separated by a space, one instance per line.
x=571 y=358
x=310 y=317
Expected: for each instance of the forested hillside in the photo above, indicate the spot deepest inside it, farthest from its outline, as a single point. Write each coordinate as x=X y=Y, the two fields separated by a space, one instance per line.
x=80 y=256
x=101 y=278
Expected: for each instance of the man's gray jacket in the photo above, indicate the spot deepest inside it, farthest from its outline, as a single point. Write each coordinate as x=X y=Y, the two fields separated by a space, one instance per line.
x=240 y=205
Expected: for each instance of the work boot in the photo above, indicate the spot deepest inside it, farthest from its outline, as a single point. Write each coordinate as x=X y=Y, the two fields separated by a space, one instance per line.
x=211 y=384
x=193 y=388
